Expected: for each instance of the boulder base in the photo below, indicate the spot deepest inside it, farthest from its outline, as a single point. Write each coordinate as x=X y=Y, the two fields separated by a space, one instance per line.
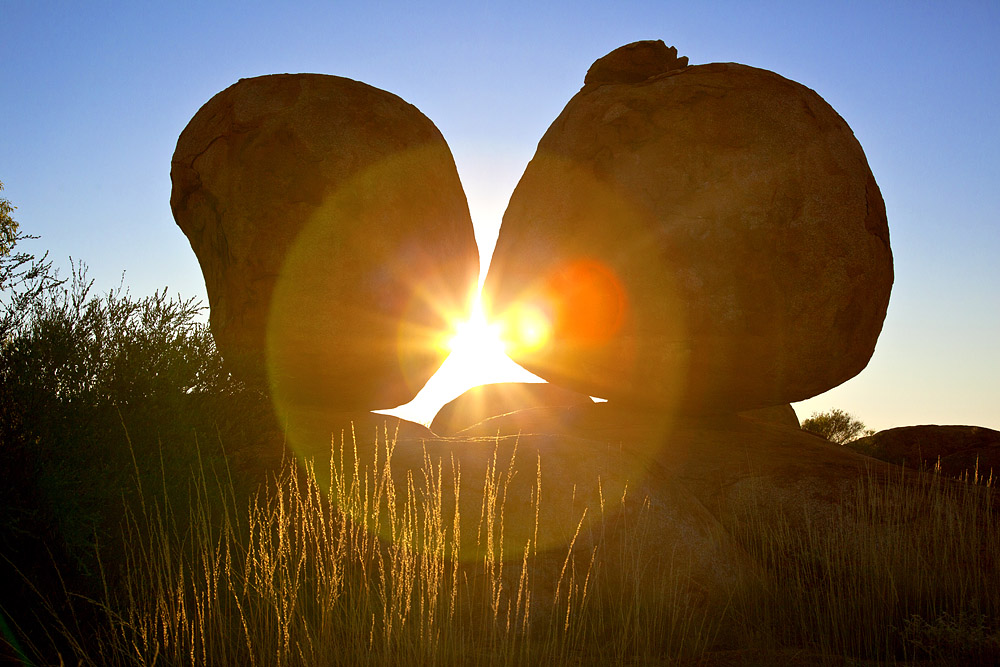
x=657 y=499
x=491 y=400
x=713 y=458
x=776 y=414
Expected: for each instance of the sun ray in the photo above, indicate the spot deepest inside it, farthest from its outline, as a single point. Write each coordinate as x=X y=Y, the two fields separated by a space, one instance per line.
x=477 y=356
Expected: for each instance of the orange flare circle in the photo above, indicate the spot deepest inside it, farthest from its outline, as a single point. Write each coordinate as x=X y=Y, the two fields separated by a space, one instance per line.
x=589 y=302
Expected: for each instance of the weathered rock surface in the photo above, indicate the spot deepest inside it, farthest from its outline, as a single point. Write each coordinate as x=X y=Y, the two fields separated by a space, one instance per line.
x=491 y=400
x=960 y=448
x=333 y=233
x=776 y=414
x=709 y=236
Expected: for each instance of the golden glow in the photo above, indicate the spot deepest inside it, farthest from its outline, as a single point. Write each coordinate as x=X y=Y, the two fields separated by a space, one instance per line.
x=477 y=357
x=476 y=338
x=580 y=303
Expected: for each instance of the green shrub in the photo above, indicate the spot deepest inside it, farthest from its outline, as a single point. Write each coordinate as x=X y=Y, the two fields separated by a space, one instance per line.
x=836 y=426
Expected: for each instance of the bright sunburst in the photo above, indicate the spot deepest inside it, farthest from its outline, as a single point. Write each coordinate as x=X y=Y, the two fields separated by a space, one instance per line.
x=477 y=357
x=476 y=339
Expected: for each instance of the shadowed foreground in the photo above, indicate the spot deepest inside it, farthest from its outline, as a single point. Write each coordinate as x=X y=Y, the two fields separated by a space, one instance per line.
x=450 y=551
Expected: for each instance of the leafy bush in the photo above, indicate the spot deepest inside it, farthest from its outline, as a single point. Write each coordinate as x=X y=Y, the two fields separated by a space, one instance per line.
x=8 y=225
x=24 y=279
x=837 y=426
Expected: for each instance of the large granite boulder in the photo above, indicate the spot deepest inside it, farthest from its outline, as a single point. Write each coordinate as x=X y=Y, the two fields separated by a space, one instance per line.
x=333 y=233
x=491 y=400
x=709 y=236
x=959 y=449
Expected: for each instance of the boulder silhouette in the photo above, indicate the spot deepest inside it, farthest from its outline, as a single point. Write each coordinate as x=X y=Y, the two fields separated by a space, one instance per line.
x=709 y=237
x=333 y=234
x=490 y=400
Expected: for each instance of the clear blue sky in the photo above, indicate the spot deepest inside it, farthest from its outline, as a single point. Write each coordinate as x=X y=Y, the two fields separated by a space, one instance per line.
x=95 y=94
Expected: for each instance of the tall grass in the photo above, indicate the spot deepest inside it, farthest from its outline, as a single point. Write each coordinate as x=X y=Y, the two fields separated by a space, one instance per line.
x=343 y=564
x=348 y=560
x=302 y=576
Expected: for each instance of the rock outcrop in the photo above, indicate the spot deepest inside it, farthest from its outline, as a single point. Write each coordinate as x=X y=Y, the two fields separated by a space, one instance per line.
x=491 y=400
x=960 y=449
x=709 y=237
x=333 y=233
x=712 y=457
x=633 y=63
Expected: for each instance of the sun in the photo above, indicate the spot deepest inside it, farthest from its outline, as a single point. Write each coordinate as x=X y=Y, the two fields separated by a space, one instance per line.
x=476 y=339
x=477 y=356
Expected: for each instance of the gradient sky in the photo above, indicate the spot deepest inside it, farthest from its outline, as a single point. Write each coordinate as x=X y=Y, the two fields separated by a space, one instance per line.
x=95 y=94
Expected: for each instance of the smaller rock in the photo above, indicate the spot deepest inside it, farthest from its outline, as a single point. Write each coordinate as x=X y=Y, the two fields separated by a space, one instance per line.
x=920 y=447
x=981 y=464
x=634 y=63
x=491 y=400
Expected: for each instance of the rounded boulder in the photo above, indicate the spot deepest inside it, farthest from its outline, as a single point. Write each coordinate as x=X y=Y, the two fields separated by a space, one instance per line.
x=334 y=236
x=709 y=237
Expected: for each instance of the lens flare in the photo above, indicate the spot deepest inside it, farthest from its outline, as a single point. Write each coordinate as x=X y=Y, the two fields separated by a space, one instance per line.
x=581 y=304
x=526 y=328
x=590 y=300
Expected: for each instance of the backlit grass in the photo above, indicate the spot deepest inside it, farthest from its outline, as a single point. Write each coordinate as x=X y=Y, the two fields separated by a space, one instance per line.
x=348 y=561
